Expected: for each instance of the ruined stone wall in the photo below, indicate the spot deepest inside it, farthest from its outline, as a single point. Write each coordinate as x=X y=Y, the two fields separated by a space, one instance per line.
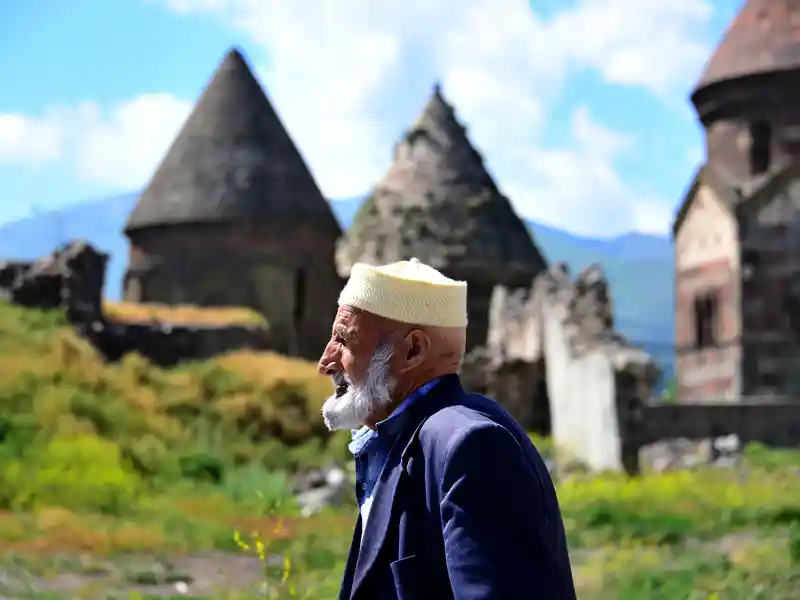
x=598 y=385
x=479 y=303
x=10 y=271
x=772 y=423
x=583 y=398
x=72 y=279
x=593 y=373
x=560 y=332
x=510 y=367
x=168 y=345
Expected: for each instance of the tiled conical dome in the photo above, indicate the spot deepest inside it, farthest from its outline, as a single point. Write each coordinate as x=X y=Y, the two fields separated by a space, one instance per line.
x=233 y=160
x=438 y=203
x=764 y=37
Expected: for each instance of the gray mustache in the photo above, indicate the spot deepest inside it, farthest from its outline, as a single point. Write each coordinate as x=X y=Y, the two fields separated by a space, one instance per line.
x=340 y=379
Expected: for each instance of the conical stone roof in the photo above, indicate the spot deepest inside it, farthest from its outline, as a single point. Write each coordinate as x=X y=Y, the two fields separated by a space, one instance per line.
x=764 y=37
x=233 y=160
x=439 y=204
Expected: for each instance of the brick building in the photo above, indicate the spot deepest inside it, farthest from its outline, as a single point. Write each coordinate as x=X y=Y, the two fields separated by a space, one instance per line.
x=737 y=231
x=232 y=216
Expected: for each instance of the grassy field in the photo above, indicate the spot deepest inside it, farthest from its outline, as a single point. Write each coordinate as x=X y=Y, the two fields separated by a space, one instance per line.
x=129 y=481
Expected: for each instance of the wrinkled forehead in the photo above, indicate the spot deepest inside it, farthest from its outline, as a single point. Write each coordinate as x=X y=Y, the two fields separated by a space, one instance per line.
x=357 y=325
x=351 y=323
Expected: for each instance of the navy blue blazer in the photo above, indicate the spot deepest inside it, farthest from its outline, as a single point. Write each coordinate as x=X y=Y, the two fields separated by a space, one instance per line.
x=465 y=509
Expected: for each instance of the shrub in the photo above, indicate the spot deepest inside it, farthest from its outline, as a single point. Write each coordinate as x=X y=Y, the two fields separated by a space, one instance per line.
x=759 y=456
x=794 y=546
x=192 y=422
x=250 y=485
x=82 y=473
x=671 y=506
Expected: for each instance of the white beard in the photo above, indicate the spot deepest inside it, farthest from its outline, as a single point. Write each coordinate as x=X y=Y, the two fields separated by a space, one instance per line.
x=361 y=401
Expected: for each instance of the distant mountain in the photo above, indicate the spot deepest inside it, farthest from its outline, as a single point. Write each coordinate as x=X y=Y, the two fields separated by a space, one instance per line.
x=99 y=221
x=638 y=267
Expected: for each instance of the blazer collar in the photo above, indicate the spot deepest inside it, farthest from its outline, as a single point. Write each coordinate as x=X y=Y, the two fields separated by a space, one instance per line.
x=364 y=552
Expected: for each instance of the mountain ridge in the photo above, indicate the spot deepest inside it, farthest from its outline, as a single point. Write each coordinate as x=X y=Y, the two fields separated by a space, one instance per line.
x=638 y=266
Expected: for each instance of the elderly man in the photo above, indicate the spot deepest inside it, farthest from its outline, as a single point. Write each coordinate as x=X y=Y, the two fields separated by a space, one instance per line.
x=455 y=501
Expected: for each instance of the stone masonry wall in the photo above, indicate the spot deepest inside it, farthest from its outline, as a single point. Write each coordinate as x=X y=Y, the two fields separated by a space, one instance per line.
x=707 y=263
x=289 y=278
x=72 y=279
x=562 y=330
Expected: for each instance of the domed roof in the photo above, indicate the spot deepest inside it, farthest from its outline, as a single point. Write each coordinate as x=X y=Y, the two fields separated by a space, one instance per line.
x=438 y=203
x=232 y=160
x=764 y=37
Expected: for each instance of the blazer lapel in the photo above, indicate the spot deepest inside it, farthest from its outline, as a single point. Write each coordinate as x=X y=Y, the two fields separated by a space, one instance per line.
x=352 y=558
x=373 y=536
x=380 y=516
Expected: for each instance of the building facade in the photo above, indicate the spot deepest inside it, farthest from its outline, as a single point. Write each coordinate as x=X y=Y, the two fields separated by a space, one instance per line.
x=737 y=231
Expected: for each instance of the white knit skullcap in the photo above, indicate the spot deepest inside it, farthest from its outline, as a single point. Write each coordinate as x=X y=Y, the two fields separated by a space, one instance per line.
x=409 y=292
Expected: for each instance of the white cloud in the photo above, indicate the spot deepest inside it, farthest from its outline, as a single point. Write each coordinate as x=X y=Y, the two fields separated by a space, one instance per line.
x=117 y=148
x=123 y=147
x=29 y=140
x=578 y=184
x=348 y=75
x=652 y=44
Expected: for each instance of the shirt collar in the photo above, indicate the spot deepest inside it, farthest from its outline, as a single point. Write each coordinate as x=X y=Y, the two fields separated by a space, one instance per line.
x=390 y=426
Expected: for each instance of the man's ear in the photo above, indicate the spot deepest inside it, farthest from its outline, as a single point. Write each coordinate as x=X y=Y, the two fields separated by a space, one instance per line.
x=416 y=349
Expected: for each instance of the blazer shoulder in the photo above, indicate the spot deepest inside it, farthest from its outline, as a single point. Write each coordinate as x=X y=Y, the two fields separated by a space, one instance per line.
x=468 y=413
x=452 y=425
x=450 y=422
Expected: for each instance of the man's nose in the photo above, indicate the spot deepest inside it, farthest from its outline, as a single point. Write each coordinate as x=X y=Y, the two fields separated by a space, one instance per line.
x=327 y=364
x=328 y=367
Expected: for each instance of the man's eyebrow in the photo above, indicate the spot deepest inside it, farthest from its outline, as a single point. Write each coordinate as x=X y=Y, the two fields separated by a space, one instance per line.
x=344 y=332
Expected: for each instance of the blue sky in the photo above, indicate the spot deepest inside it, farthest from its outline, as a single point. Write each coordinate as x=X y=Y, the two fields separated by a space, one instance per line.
x=580 y=107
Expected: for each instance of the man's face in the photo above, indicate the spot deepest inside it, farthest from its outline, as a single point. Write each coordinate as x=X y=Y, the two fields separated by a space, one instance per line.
x=358 y=360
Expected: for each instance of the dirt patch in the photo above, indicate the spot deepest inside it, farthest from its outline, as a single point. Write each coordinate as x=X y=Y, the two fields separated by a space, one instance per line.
x=205 y=575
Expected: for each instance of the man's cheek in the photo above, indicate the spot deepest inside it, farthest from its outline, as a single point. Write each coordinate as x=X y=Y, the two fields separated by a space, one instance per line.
x=349 y=364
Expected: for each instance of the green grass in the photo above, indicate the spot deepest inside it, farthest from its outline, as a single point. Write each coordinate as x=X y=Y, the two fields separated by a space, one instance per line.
x=749 y=568
x=120 y=476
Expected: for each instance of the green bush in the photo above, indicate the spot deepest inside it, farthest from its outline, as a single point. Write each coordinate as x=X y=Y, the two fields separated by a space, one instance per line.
x=134 y=458
x=193 y=422
x=761 y=457
x=82 y=473
x=794 y=546
x=670 y=507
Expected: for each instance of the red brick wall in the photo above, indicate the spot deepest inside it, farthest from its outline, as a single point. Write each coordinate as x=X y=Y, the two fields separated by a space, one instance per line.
x=708 y=374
